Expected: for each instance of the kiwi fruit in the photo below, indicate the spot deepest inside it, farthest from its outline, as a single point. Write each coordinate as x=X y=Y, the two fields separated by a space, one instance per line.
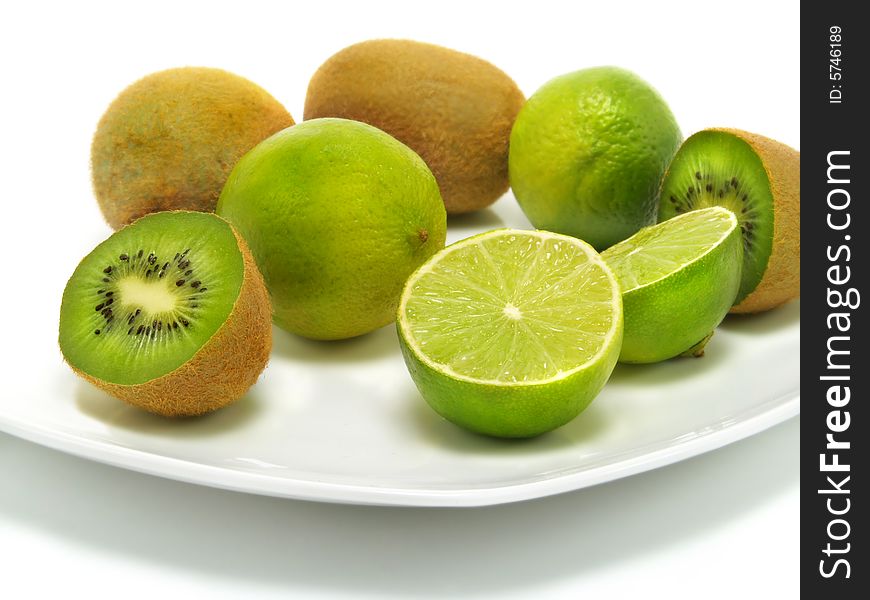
x=169 y=314
x=169 y=141
x=455 y=110
x=759 y=180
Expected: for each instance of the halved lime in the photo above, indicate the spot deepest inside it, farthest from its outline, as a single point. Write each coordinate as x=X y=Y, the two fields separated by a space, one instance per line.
x=678 y=279
x=511 y=333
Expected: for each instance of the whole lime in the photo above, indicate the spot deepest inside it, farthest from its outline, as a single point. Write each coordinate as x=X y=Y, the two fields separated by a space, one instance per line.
x=337 y=215
x=588 y=152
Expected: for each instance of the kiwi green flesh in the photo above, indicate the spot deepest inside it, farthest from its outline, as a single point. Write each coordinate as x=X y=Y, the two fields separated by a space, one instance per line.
x=144 y=301
x=714 y=168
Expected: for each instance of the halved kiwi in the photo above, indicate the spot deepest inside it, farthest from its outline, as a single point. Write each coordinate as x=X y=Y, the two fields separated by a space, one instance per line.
x=170 y=314
x=759 y=180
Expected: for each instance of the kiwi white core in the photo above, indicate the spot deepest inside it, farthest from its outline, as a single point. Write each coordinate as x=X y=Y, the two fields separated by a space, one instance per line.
x=154 y=297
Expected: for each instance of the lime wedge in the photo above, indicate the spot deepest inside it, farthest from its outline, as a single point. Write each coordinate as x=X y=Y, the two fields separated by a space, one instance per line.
x=511 y=333
x=678 y=279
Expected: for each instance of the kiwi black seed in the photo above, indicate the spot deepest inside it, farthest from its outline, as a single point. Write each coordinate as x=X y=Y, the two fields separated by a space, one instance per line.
x=137 y=268
x=759 y=180
x=133 y=323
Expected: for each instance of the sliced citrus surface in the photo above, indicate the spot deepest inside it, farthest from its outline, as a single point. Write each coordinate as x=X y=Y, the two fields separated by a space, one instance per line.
x=678 y=279
x=511 y=333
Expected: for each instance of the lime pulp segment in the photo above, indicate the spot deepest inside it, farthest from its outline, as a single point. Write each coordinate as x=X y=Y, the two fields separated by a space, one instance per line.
x=511 y=308
x=656 y=252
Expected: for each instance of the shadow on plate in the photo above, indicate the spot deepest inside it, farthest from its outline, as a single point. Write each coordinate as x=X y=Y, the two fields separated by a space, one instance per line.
x=676 y=369
x=440 y=432
x=766 y=322
x=116 y=413
x=377 y=344
x=398 y=553
x=482 y=219
x=717 y=352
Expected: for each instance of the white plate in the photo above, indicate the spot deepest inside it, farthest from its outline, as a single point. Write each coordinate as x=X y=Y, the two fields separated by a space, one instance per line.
x=342 y=421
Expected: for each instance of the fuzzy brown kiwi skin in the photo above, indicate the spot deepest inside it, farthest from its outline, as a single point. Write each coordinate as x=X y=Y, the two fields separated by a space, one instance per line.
x=170 y=140
x=220 y=372
x=453 y=109
x=781 y=281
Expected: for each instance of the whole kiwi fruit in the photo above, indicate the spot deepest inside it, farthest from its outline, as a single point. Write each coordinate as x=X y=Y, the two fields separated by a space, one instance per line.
x=169 y=314
x=454 y=109
x=759 y=180
x=169 y=140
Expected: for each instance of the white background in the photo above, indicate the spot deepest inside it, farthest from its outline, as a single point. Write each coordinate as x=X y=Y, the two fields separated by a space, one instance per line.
x=716 y=526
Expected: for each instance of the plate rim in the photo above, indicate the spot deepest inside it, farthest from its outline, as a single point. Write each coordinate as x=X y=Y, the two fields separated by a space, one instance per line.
x=722 y=433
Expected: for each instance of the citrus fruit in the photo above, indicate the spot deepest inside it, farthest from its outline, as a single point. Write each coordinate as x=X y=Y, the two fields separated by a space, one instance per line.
x=587 y=154
x=678 y=280
x=759 y=179
x=511 y=333
x=337 y=215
